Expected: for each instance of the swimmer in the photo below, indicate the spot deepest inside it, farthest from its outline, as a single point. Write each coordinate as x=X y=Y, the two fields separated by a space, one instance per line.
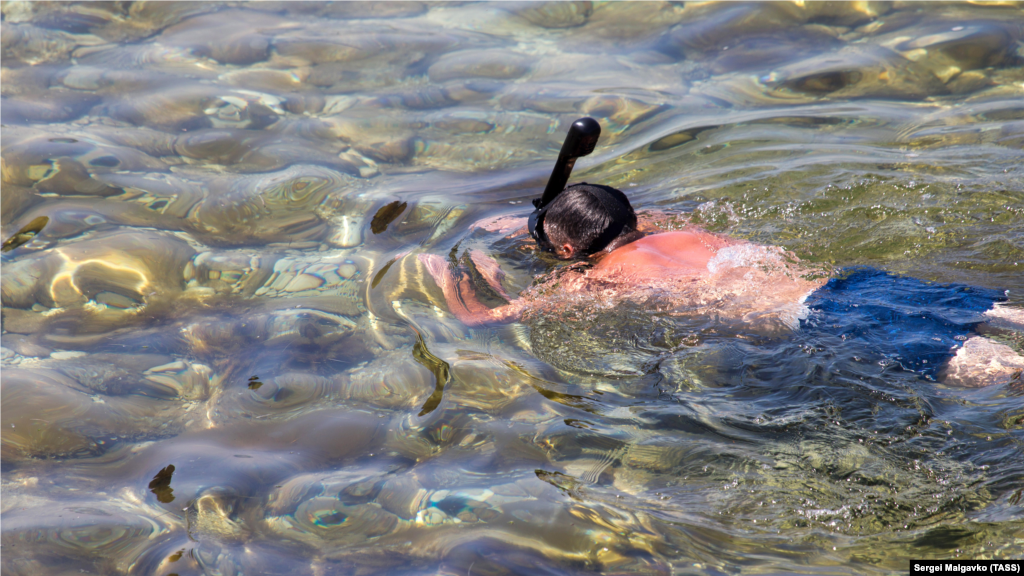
x=597 y=227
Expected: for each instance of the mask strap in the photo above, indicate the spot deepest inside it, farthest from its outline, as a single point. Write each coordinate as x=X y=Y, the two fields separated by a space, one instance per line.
x=536 y=226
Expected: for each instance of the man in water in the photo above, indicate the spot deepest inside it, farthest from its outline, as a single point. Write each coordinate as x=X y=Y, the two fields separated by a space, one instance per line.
x=596 y=225
x=706 y=273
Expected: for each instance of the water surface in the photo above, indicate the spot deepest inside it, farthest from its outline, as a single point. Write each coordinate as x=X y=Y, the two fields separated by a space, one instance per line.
x=220 y=355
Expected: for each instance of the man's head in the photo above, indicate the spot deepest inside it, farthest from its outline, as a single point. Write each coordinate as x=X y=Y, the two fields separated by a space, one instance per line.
x=586 y=218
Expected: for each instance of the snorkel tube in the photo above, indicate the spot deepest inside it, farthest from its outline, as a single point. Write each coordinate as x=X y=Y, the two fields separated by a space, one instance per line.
x=580 y=141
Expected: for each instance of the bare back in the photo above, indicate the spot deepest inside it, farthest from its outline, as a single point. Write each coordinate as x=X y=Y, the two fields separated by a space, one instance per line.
x=689 y=270
x=685 y=252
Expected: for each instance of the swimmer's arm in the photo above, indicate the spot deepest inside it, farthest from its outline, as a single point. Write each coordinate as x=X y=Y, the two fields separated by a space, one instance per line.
x=491 y=271
x=508 y=225
x=461 y=297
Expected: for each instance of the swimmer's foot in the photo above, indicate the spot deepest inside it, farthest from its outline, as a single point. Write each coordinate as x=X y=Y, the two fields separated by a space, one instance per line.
x=1005 y=317
x=983 y=362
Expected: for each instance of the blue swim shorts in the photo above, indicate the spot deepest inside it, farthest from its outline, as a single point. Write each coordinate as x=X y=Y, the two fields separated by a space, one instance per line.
x=915 y=323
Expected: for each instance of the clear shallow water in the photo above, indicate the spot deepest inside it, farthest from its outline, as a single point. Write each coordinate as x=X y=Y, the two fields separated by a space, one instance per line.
x=216 y=361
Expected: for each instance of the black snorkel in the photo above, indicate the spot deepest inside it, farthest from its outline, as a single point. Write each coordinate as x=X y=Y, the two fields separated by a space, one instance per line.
x=580 y=141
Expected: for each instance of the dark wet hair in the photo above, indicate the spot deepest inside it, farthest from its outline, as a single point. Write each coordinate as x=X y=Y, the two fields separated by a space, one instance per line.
x=588 y=217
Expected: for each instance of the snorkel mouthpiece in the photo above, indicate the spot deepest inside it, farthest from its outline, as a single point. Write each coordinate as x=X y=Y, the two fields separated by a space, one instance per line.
x=580 y=141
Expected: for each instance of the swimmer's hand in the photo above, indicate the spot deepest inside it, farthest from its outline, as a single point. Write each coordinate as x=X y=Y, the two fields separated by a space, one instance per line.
x=460 y=295
x=502 y=224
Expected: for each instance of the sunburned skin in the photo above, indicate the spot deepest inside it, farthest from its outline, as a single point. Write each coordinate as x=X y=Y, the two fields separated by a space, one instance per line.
x=460 y=294
x=686 y=271
x=692 y=271
x=684 y=252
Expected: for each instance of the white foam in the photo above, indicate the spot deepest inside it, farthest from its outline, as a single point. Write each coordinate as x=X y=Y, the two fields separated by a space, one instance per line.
x=744 y=256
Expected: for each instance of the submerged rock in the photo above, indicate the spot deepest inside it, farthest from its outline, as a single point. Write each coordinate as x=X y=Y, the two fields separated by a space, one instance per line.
x=32 y=45
x=194 y=106
x=495 y=64
x=51 y=414
x=155 y=14
x=287 y=337
x=952 y=50
x=227 y=36
x=65 y=163
x=842 y=13
x=25 y=234
x=285 y=206
x=709 y=26
x=98 y=534
x=552 y=14
x=619 y=22
x=857 y=72
x=94 y=284
x=390 y=46
x=347 y=10
x=174 y=109
x=15 y=201
x=215 y=515
x=328 y=511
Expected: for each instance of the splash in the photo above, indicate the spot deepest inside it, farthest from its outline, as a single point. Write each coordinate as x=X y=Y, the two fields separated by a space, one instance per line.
x=622 y=325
